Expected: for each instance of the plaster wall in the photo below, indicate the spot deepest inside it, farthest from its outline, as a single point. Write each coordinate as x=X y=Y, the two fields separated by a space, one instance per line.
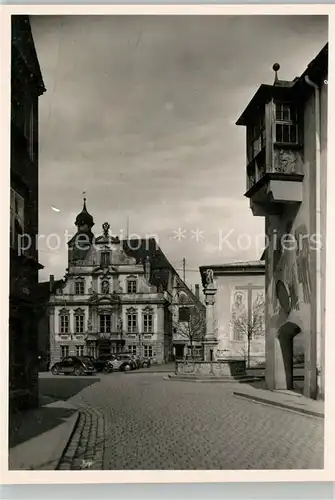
x=292 y=260
x=227 y=288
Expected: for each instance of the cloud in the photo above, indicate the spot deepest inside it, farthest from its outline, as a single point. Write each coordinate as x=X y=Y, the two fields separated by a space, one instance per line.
x=140 y=112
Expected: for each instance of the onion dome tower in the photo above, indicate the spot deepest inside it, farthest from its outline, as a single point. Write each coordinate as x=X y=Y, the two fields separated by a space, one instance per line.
x=81 y=242
x=84 y=220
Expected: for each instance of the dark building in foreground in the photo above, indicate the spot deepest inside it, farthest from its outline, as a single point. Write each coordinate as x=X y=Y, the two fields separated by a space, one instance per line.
x=26 y=87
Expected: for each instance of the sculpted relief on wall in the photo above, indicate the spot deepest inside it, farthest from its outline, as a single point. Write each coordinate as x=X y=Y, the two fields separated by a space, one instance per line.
x=287 y=162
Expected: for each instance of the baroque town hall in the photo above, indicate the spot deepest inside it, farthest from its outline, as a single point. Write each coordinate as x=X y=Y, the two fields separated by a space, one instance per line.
x=117 y=295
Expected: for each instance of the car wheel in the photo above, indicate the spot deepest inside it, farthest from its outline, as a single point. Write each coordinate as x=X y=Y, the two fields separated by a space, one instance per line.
x=55 y=370
x=78 y=371
x=107 y=369
x=126 y=368
x=145 y=365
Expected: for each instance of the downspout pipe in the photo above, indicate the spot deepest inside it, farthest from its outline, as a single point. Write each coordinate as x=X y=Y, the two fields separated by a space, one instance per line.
x=318 y=232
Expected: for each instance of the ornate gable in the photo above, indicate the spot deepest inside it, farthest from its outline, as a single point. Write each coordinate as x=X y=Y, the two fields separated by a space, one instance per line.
x=106 y=299
x=79 y=312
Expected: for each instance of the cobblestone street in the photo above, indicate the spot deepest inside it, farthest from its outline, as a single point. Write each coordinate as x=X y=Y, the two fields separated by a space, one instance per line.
x=141 y=421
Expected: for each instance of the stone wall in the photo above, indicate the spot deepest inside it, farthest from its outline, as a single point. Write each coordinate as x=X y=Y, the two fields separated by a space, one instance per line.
x=227 y=368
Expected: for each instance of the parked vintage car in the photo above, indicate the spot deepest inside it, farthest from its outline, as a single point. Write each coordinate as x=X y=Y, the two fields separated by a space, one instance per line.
x=145 y=362
x=114 y=362
x=73 y=365
x=130 y=359
x=100 y=362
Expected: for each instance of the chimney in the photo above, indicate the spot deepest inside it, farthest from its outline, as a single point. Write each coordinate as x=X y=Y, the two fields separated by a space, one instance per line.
x=196 y=293
x=51 y=282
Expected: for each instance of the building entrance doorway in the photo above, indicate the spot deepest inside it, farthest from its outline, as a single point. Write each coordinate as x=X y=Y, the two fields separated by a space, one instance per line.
x=104 y=347
x=284 y=356
x=179 y=351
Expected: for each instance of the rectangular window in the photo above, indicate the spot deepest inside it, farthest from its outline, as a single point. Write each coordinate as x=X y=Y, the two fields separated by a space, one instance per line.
x=184 y=314
x=79 y=323
x=79 y=350
x=148 y=351
x=257 y=138
x=148 y=323
x=64 y=323
x=80 y=287
x=105 y=258
x=132 y=286
x=16 y=217
x=64 y=351
x=105 y=323
x=132 y=349
x=132 y=322
x=286 y=123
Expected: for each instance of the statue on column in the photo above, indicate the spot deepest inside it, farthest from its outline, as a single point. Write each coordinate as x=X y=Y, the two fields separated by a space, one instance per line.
x=209 y=278
x=105 y=229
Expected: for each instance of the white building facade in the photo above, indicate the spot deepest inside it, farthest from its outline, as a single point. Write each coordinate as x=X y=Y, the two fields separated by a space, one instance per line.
x=116 y=297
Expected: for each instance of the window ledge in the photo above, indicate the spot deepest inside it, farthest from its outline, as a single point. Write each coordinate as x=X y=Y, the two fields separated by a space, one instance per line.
x=273 y=176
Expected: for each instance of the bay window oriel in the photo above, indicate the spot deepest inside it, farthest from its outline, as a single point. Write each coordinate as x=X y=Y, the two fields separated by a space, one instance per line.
x=274 y=146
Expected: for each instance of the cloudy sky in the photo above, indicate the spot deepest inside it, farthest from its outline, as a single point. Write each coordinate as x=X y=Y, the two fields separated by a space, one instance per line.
x=140 y=113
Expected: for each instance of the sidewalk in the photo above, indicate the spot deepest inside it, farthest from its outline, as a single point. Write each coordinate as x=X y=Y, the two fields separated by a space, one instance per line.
x=164 y=368
x=288 y=400
x=38 y=438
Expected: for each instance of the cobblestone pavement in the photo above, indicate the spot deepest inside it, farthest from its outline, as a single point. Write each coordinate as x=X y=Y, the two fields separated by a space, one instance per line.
x=145 y=422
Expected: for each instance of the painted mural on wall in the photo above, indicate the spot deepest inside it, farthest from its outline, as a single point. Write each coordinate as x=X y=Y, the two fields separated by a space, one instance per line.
x=239 y=313
x=303 y=262
x=292 y=273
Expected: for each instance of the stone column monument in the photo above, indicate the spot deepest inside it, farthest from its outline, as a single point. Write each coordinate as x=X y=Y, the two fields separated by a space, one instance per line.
x=210 y=342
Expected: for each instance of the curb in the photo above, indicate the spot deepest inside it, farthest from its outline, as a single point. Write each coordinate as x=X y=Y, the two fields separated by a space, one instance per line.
x=134 y=372
x=269 y=402
x=211 y=379
x=66 y=452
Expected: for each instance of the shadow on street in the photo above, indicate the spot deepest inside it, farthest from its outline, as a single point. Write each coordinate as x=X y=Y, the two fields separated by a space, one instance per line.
x=64 y=387
x=27 y=425
x=298 y=378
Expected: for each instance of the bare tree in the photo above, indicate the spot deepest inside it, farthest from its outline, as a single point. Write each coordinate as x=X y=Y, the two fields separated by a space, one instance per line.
x=250 y=324
x=191 y=325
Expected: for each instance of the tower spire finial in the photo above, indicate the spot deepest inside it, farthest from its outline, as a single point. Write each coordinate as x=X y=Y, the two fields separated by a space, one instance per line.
x=84 y=196
x=276 y=68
